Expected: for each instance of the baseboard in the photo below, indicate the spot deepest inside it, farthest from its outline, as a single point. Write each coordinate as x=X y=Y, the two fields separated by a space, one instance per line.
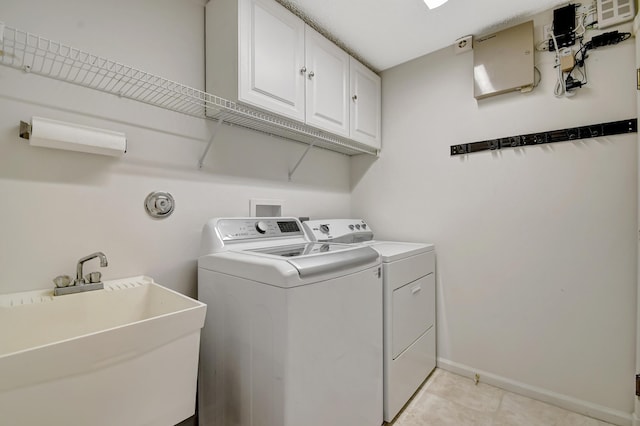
x=636 y=412
x=563 y=401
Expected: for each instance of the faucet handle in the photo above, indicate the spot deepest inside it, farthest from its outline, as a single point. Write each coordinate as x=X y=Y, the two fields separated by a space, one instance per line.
x=62 y=281
x=93 y=277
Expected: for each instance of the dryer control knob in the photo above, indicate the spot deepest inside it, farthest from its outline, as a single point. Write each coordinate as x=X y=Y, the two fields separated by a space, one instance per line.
x=324 y=229
x=261 y=227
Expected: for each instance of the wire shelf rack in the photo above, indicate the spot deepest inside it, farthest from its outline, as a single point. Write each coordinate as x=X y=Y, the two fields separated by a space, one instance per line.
x=37 y=55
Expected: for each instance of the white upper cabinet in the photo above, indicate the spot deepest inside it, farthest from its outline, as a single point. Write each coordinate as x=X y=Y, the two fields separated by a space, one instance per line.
x=365 y=111
x=327 y=84
x=271 y=55
x=260 y=54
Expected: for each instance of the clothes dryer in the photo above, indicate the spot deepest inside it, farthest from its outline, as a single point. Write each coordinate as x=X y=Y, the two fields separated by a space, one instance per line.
x=409 y=308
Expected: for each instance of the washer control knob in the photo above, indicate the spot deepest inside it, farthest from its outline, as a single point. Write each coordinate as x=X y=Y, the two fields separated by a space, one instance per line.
x=324 y=229
x=261 y=227
x=358 y=226
x=364 y=226
x=351 y=227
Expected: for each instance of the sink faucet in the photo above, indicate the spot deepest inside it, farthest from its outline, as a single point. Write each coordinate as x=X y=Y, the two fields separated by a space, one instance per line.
x=103 y=263
x=65 y=286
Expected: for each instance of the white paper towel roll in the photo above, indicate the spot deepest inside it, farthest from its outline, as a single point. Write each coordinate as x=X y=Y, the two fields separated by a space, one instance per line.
x=74 y=137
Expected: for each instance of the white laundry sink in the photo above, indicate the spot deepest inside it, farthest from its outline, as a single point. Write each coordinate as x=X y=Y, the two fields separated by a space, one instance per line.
x=127 y=354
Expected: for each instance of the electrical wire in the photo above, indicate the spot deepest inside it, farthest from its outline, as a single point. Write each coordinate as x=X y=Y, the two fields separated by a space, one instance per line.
x=592 y=25
x=583 y=72
x=579 y=66
x=539 y=77
x=581 y=55
x=566 y=86
x=560 y=88
x=543 y=46
x=582 y=28
x=582 y=52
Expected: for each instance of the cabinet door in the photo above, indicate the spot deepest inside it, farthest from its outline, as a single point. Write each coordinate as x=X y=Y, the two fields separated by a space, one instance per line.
x=327 y=84
x=271 y=55
x=365 y=110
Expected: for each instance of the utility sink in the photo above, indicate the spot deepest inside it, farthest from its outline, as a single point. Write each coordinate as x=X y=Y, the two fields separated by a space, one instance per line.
x=125 y=355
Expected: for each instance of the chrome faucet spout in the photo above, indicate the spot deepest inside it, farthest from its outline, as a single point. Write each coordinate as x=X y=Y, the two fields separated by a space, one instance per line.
x=103 y=263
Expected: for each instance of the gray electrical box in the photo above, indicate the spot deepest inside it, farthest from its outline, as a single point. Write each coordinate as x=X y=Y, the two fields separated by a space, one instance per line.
x=503 y=61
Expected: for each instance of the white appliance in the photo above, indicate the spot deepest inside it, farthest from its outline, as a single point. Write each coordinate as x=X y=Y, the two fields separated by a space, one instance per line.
x=293 y=333
x=409 y=306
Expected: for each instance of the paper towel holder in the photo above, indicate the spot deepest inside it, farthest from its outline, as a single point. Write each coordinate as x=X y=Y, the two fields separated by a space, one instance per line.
x=48 y=133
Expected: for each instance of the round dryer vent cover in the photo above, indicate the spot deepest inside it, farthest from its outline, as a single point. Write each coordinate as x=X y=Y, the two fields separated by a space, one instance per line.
x=159 y=204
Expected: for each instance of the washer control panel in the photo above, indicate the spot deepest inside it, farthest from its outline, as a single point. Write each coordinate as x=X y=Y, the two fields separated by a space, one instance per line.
x=258 y=227
x=338 y=230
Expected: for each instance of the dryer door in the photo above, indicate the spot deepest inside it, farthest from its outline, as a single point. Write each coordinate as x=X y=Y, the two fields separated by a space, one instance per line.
x=413 y=312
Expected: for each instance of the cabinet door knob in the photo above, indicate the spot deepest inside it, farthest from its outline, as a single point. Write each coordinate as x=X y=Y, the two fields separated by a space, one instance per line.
x=303 y=70
x=354 y=97
x=311 y=75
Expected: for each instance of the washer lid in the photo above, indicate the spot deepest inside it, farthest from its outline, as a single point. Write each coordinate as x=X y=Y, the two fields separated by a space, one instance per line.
x=390 y=251
x=288 y=266
x=296 y=250
x=312 y=259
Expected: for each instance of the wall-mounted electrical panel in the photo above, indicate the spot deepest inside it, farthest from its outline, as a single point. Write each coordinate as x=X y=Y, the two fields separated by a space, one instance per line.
x=613 y=12
x=503 y=61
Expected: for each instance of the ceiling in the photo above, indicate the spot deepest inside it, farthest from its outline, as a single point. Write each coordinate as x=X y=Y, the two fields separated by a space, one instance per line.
x=385 y=33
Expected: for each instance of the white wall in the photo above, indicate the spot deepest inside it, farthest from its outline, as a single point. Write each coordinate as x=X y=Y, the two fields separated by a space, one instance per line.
x=57 y=206
x=536 y=246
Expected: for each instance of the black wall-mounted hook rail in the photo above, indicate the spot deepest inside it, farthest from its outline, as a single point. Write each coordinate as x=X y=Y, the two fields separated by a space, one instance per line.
x=562 y=135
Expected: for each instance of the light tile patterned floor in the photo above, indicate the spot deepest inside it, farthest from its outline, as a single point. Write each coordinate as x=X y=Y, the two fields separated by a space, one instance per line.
x=447 y=399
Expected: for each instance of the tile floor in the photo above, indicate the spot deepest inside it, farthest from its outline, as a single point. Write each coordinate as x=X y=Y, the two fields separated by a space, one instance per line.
x=447 y=399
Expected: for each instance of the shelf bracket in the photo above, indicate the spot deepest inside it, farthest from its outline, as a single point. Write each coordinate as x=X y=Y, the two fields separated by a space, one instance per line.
x=300 y=160
x=213 y=136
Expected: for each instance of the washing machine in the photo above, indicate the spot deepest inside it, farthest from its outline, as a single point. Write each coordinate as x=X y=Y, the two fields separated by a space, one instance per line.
x=293 y=333
x=409 y=307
